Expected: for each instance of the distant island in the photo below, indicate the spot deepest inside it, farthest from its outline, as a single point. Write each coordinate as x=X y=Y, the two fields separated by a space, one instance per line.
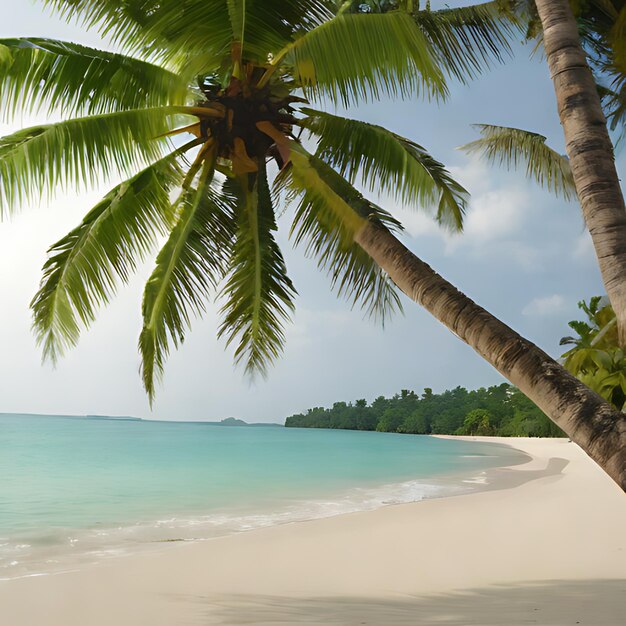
x=229 y=421
x=121 y=418
x=116 y=418
x=501 y=410
x=232 y=421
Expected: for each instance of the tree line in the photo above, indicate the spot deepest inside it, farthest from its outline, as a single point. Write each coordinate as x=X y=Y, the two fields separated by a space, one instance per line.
x=501 y=410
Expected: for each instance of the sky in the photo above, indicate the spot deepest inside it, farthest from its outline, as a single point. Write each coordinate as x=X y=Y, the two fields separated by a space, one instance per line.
x=524 y=256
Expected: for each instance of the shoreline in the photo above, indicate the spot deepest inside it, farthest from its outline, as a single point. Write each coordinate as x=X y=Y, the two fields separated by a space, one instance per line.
x=85 y=547
x=531 y=550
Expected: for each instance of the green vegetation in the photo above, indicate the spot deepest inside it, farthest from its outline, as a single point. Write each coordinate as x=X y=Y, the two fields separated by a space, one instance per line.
x=596 y=358
x=499 y=410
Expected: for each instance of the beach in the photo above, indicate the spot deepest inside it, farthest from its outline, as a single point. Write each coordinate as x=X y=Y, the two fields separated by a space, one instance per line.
x=544 y=543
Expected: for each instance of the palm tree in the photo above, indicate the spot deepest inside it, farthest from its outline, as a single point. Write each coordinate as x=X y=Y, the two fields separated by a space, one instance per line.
x=596 y=358
x=602 y=29
x=574 y=46
x=602 y=32
x=602 y=26
x=198 y=161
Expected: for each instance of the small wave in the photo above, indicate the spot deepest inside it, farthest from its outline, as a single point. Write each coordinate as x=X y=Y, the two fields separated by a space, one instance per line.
x=74 y=548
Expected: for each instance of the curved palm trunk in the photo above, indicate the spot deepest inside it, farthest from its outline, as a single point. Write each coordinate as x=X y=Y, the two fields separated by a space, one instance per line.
x=589 y=149
x=586 y=418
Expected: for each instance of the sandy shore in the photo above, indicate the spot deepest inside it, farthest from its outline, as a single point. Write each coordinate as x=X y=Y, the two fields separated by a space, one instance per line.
x=546 y=546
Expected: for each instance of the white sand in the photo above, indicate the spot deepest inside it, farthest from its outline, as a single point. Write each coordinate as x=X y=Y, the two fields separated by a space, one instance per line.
x=549 y=551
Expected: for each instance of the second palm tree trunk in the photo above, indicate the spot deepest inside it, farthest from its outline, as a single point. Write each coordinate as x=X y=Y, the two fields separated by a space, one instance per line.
x=589 y=149
x=587 y=419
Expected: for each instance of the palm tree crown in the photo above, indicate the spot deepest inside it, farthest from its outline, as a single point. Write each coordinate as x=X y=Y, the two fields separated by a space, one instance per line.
x=205 y=104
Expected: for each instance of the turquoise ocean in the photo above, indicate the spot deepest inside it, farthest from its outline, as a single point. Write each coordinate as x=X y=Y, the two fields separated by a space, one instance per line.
x=78 y=490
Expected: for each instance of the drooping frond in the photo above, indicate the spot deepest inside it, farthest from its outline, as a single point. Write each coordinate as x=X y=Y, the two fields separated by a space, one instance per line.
x=258 y=293
x=35 y=160
x=469 y=39
x=352 y=58
x=168 y=29
x=40 y=75
x=389 y=163
x=84 y=267
x=189 y=266
x=512 y=148
x=329 y=214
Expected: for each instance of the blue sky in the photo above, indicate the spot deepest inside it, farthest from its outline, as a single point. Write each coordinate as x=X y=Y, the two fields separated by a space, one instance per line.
x=524 y=256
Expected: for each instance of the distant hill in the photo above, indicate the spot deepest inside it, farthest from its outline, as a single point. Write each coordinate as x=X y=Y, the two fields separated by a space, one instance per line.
x=232 y=421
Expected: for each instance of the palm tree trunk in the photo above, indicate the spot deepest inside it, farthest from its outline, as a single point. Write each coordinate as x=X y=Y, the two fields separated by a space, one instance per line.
x=587 y=419
x=589 y=149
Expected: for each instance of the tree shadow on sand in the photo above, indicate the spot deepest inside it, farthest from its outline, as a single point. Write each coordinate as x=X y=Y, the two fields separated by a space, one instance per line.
x=547 y=603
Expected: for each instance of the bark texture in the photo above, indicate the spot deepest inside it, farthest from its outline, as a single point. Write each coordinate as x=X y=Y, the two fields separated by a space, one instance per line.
x=589 y=149
x=586 y=418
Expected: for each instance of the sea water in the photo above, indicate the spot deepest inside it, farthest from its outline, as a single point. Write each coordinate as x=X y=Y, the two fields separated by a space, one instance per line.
x=76 y=490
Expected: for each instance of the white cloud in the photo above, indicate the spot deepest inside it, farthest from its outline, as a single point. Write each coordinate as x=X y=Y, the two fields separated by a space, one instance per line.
x=496 y=216
x=474 y=174
x=543 y=307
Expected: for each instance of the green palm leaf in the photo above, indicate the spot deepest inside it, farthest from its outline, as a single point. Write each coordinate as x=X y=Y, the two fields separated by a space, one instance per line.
x=389 y=163
x=258 y=293
x=513 y=147
x=176 y=30
x=189 y=266
x=329 y=214
x=76 y=152
x=45 y=74
x=81 y=274
x=266 y=27
x=169 y=29
x=468 y=40
x=359 y=57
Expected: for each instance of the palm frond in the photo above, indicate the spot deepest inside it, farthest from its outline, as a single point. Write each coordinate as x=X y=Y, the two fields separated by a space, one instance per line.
x=329 y=214
x=352 y=58
x=513 y=147
x=470 y=39
x=618 y=41
x=35 y=160
x=258 y=293
x=175 y=30
x=168 y=29
x=614 y=104
x=40 y=75
x=389 y=163
x=189 y=266
x=268 y=26
x=84 y=267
